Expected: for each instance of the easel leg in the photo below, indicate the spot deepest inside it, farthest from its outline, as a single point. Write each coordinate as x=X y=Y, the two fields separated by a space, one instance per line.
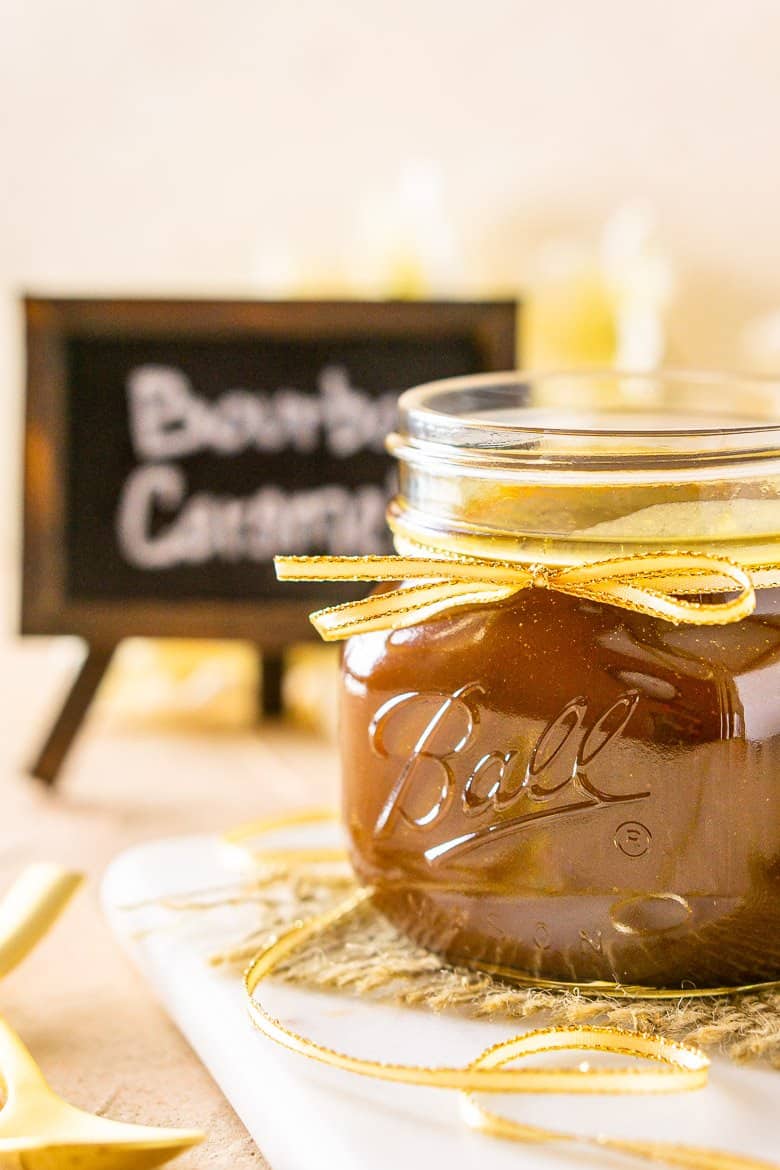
x=272 y=677
x=47 y=765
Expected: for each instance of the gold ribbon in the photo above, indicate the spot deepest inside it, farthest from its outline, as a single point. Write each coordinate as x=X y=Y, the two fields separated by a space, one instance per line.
x=648 y=583
x=672 y=1067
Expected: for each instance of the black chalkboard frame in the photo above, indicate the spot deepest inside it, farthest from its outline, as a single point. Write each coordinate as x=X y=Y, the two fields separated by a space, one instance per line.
x=50 y=322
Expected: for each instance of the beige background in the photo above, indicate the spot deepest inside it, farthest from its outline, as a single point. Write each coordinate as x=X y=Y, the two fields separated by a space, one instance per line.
x=188 y=147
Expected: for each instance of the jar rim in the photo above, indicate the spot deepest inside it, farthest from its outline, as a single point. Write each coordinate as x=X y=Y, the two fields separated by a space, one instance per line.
x=603 y=417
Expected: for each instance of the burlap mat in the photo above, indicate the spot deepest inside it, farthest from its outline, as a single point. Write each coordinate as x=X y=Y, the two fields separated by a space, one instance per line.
x=367 y=956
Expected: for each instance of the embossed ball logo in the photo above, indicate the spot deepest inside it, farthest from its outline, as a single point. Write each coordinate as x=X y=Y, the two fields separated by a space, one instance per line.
x=502 y=791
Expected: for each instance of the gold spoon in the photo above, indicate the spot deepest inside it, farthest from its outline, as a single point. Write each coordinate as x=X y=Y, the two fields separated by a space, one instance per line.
x=38 y=1129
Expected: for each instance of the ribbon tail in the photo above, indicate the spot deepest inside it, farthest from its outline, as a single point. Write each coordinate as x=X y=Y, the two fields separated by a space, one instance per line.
x=400 y=608
x=363 y=568
x=683 y=1156
x=433 y=567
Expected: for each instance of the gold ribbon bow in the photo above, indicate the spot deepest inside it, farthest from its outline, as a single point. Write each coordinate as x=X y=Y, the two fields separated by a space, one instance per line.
x=648 y=583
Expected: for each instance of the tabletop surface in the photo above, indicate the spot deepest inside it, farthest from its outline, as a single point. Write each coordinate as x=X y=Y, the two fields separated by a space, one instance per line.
x=86 y=1015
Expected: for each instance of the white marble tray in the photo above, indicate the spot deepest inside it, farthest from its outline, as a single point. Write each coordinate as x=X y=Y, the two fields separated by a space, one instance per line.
x=307 y=1117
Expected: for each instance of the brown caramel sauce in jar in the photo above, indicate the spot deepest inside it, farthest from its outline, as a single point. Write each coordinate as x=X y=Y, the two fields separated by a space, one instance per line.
x=560 y=788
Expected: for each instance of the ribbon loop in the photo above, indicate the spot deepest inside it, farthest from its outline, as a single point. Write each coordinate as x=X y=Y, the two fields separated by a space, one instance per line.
x=434 y=582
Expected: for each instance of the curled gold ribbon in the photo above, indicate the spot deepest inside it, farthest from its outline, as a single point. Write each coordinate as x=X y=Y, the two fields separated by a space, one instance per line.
x=673 y=1067
x=670 y=1067
x=240 y=838
x=648 y=583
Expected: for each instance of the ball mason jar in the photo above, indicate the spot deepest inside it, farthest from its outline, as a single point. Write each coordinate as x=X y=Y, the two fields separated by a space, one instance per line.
x=551 y=785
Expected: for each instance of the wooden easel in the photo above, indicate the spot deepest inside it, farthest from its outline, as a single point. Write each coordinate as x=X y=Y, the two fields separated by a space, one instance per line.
x=50 y=758
x=46 y=765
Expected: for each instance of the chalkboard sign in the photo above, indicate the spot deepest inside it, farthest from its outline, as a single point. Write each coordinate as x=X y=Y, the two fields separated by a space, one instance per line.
x=172 y=448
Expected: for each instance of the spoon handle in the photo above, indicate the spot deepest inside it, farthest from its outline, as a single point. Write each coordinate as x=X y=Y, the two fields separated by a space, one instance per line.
x=20 y=1075
x=30 y=907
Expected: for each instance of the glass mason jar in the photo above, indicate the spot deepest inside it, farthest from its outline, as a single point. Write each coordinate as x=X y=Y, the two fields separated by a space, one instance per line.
x=554 y=786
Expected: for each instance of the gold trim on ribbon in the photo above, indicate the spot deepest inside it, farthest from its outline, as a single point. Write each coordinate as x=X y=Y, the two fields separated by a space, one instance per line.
x=436 y=582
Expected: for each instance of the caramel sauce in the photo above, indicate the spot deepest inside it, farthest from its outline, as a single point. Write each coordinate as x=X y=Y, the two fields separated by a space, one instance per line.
x=554 y=787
